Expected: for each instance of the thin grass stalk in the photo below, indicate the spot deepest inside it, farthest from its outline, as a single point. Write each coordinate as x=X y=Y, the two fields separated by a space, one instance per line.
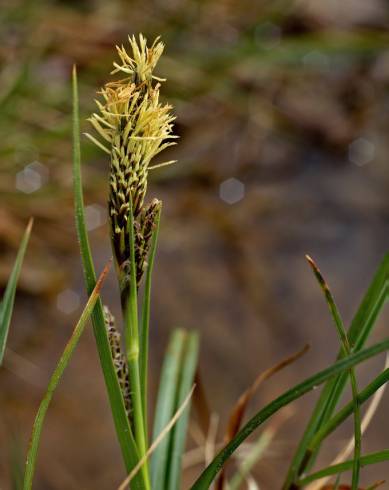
x=54 y=380
x=368 y=459
x=359 y=331
x=7 y=303
x=348 y=448
x=144 y=333
x=345 y=345
x=131 y=329
x=347 y=410
x=133 y=368
x=208 y=475
x=337 y=482
x=361 y=326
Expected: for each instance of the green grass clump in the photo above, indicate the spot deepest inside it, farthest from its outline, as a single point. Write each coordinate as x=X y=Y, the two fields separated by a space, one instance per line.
x=133 y=127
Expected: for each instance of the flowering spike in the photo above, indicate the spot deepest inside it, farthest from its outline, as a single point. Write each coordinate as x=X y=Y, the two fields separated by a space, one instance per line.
x=134 y=127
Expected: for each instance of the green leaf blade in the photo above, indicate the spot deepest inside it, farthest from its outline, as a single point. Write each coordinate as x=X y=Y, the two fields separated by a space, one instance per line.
x=7 y=304
x=177 y=445
x=360 y=329
x=208 y=475
x=346 y=350
x=347 y=410
x=368 y=459
x=54 y=380
x=164 y=410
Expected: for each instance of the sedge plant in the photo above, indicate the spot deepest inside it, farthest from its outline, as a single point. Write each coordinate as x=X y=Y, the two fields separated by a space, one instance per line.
x=132 y=126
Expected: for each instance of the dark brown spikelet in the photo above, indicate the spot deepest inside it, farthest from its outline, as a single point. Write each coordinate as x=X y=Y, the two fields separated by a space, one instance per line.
x=144 y=229
x=119 y=360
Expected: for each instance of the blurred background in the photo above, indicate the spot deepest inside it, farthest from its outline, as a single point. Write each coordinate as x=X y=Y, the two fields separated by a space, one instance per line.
x=282 y=111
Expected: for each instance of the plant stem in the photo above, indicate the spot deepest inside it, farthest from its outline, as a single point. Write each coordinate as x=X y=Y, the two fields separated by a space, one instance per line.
x=368 y=459
x=346 y=351
x=360 y=329
x=131 y=329
x=343 y=413
x=133 y=366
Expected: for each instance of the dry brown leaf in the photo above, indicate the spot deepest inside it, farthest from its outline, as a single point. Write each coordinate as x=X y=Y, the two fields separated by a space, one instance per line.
x=239 y=409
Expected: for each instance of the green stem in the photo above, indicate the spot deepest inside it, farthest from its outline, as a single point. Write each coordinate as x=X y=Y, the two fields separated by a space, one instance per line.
x=133 y=367
x=342 y=414
x=346 y=351
x=131 y=329
x=368 y=459
x=361 y=327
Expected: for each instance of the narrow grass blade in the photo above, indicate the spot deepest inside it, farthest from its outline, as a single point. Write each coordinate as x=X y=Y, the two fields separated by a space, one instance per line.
x=178 y=438
x=144 y=333
x=361 y=327
x=7 y=304
x=208 y=475
x=371 y=305
x=131 y=330
x=346 y=350
x=337 y=482
x=122 y=426
x=54 y=380
x=167 y=395
x=158 y=440
x=366 y=460
x=349 y=447
x=347 y=410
